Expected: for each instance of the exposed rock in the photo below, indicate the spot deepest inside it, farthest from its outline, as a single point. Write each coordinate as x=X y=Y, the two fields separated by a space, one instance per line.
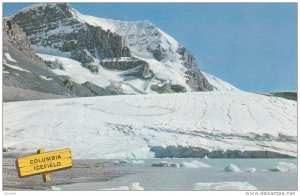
x=141 y=71
x=196 y=79
x=168 y=88
x=55 y=65
x=121 y=64
x=86 y=59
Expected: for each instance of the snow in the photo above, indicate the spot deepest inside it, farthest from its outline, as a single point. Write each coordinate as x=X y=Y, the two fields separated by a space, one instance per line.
x=133 y=187
x=72 y=68
x=194 y=164
x=174 y=72
x=36 y=6
x=15 y=67
x=232 y=168
x=285 y=167
x=7 y=55
x=46 y=78
x=170 y=39
x=130 y=126
x=103 y=78
x=7 y=72
x=105 y=24
x=219 y=84
x=224 y=186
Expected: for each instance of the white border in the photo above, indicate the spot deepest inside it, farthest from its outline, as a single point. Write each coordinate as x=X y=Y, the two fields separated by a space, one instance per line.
x=133 y=193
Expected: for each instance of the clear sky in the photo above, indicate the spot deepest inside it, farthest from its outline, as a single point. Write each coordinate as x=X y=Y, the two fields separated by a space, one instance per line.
x=251 y=45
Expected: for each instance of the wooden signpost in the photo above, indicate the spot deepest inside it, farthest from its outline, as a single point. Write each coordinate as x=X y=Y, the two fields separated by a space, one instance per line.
x=44 y=162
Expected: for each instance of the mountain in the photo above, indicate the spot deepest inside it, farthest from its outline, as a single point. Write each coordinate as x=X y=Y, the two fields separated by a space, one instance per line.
x=217 y=124
x=128 y=57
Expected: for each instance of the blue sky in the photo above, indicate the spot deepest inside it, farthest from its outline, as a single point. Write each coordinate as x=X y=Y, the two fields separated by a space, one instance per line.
x=251 y=45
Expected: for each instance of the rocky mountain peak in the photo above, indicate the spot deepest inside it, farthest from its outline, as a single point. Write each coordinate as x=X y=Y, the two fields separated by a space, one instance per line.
x=141 y=50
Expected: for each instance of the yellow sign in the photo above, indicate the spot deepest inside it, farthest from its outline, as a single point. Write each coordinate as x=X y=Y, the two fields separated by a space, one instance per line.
x=44 y=162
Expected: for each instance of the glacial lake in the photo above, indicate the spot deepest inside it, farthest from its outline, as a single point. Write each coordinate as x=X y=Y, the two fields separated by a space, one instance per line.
x=184 y=178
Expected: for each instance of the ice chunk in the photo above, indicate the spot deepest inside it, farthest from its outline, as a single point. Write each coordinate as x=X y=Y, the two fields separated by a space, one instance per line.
x=117 y=162
x=194 y=164
x=252 y=170
x=285 y=167
x=138 y=162
x=165 y=164
x=54 y=188
x=232 y=168
x=224 y=186
x=136 y=187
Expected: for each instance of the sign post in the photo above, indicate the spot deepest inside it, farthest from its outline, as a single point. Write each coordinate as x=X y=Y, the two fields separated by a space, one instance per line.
x=46 y=176
x=44 y=162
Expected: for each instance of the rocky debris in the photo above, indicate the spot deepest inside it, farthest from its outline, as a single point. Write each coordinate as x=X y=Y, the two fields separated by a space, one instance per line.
x=83 y=171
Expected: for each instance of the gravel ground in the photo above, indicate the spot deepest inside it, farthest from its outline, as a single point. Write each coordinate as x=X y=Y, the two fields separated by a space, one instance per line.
x=82 y=171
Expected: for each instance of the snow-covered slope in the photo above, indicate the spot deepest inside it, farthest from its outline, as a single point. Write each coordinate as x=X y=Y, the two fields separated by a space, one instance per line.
x=213 y=124
x=219 y=84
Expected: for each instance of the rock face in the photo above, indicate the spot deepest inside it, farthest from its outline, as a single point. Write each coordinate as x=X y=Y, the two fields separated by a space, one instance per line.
x=139 y=48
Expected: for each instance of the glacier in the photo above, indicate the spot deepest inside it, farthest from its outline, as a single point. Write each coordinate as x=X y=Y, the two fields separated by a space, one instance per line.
x=217 y=124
